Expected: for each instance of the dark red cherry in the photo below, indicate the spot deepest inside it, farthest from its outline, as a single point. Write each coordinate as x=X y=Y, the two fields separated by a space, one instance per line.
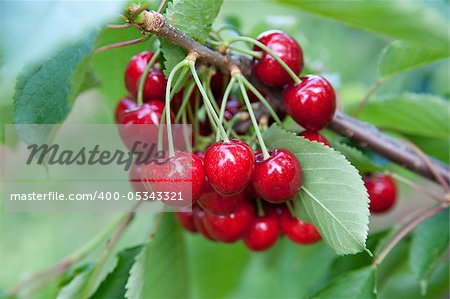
x=185 y=217
x=199 y=216
x=314 y=136
x=232 y=107
x=311 y=103
x=229 y=166
x=230 y=228
x=278 y=178
x=183 y=174
x=124 y=104
x=267 y=69
x=263 y=231
x=214 y=203
x=298 y=231
x=382 y=192
x=155 y=84
x=135 y=178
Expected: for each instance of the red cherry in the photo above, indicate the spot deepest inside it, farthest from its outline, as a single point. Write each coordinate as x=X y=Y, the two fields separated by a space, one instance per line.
x=186 y=219
x=278 y=178
x=149 y=113
x=135 y=178
x=298 y=231
x=263 y=231
x=314 y=136
x=230 y=228
x=217 y=85
x=214 y=203
x=382 y=192
x=124 y=104
x=267 y=69
x=183 y=173
x=199 y=216
x=229 y=166
x=311 y=103
x=155 y=83
x=232 y=107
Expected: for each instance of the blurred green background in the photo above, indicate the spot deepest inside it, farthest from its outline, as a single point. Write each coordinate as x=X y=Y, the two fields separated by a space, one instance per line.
x=348 y=57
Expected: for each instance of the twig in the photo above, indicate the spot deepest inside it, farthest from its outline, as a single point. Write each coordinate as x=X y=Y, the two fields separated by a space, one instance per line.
x=118 y=26
x=123 y=44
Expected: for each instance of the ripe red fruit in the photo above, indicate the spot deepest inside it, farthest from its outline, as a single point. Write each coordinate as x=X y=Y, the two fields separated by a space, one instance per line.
x=135 y=178
x=314 y=136
x=124 y=104
x=311 y=103
x=182 y=173
x=229 y=166
x=278 y=178
x=230 y=228
x=214 y=203
x=155 y=83
x=267 y=69
x=298 y=231
x=382 y=192
x=199 y=216
x=263 y=231
x=186 y=219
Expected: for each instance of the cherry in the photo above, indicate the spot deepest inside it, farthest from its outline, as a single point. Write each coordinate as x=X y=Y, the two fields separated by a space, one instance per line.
x=229 y=166
x=135 y=178
x=263 y=231
x=278 y=178
x=314 y=136
x=186 y=219
x=183 y=173
x=267 y=69
x=124 y=104
x=149 y=113
x=311 y=103
x=230 y=228
x=298 y=231
x=382 y=191
x=155 y=84
x=199 y=216
x=214 y=203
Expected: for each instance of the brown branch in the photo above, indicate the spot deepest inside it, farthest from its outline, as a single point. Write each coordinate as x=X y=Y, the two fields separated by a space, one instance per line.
x=363 y=133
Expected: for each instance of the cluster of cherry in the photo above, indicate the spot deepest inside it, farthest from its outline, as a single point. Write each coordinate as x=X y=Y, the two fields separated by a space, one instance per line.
x=237 y=192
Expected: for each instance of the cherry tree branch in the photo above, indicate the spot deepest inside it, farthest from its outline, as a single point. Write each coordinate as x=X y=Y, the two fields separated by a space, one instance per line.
x=363 y=133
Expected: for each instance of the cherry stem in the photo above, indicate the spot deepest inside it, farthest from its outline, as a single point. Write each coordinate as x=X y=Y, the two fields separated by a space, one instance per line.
x=259 y=208
x=264 y=150
x=186 y=96
x=187 y=140
x=366 y=97
x=161 y=5
x=207 y=102
x=140 y=94
x=256 y=54
x=179 y=66
x=223 y=106
x=291 y=208
x=118 y=26
x=123 y=44
x=283 y=64
x=179 y=81
x=207 y=84
x=406 y=230
x=262 y=100
x=418 y=188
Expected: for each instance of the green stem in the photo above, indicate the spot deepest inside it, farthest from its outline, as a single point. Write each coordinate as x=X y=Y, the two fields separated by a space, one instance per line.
x=207 y=101
x=259 y=208
x=256 y=54
x=262 y=100
x=186 y=96
x=264 y=150
x=270 y=52
x=291 y=208
x=179 y=81
x=223 y=106
x=187 y=140
x=140 y=94
x=167 y=106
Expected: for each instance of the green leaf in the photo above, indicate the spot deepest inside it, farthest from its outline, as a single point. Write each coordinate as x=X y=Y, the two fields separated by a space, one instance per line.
x=74 y=285
x=53 y=25
x=438 y=148
x=430 y=241
x=193 y=18
x=332 y=195
x=356 y=157
x=399 y=57
x=160 y=270
x=414 y=114
x=114 y=284
x=402 y=20
x=359 y=284
x=45 y=92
